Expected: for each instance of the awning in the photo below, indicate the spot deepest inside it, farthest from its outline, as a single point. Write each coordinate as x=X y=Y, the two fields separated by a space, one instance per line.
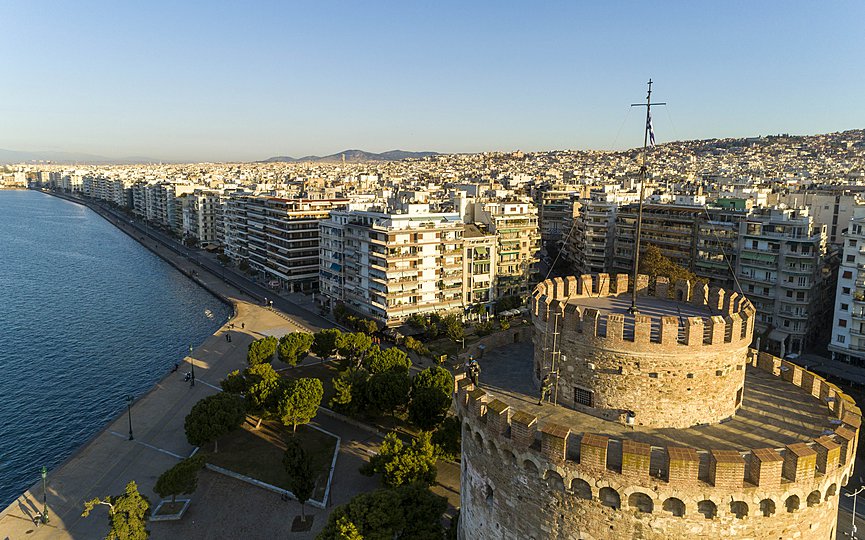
x=336 y=267
x=757 y=256
x=778 y=335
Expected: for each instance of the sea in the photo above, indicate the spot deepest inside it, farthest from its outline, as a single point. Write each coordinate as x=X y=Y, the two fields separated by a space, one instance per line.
x=88 y=316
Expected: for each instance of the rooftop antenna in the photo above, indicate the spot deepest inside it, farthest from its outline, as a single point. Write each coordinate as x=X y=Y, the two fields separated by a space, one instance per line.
x=648 y=136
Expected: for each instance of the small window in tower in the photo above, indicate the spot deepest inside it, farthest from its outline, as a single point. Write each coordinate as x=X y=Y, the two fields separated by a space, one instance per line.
x=584 y=397
x=690 y=375
x=653 y=375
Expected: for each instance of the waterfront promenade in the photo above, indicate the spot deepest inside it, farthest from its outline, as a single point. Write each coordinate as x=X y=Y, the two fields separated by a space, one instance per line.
x=105 y=464
x=221 y=507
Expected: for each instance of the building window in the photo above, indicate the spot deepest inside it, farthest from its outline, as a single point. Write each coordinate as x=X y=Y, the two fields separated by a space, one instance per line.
x=845 y=290
x=851 y=243
x=847 y=274
x=840 y=339
x=851 y=258
x=842 y=323
x=845 y=307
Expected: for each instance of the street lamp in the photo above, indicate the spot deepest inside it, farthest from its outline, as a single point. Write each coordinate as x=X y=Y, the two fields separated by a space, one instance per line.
x=44 y=517
x=129 y=410
x=853 y=519
x=191 y=363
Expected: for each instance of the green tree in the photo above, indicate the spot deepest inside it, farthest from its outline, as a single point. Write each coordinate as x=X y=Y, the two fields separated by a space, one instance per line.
x=261 y=350
x=299 y=403
x=379 y=360
x=415 y=345
x=400 y=464
x=213 y=417
x=294 y=346
x=430 y=397
x=180 y=479
x=127 y=514
x=301 y=472
x=263 y=392
x=447 y=438
x=324 y=342
x=353 y=348
x=350 y=391
x=235 y=382
x=405 y=512
x=655 y=264
x=389 y=390
x=454 y=327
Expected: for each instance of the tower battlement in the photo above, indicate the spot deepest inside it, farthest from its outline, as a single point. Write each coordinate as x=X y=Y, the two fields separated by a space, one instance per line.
x=574 y=304
x=724 y=484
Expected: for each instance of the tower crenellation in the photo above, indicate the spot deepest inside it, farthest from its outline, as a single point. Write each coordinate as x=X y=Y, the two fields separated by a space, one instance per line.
x=645 y=435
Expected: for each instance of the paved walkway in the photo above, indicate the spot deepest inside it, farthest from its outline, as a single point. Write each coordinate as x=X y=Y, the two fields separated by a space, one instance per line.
x=222 y=507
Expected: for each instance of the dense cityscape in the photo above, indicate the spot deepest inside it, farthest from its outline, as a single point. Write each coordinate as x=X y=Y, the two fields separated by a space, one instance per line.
x=447 y=262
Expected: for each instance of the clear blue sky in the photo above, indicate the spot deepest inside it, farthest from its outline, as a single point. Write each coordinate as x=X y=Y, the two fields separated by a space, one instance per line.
x=247 y=80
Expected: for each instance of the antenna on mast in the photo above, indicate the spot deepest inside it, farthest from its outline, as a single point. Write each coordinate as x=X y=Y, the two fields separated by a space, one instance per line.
x=648 y=135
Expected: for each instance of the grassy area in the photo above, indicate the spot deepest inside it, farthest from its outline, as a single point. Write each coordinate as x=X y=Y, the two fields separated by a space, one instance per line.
x=257 y=453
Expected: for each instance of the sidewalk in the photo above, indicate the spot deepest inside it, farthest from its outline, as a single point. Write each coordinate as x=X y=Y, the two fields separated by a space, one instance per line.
x=837 y=368
x=105 y=464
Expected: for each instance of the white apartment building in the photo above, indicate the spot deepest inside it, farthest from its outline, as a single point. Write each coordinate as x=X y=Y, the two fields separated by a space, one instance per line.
x=782 y=269
x=202 y=216
x=389 y=266
x=278 y=237
x=515 y=224
x=848 y=321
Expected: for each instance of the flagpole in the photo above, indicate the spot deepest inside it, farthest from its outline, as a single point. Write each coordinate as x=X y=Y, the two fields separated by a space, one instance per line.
x=644 y=173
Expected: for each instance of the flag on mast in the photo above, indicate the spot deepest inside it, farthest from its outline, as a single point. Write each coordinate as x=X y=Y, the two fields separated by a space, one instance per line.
x=651 y=129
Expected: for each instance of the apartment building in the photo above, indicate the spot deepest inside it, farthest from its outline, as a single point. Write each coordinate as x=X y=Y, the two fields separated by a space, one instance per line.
x=590 y=246
x=848 y=322
x=203 y=216
x=555 y=211
x=389 y=266
x=702 y=239
x=783 y=269
x=278 y=237
x=515 y=224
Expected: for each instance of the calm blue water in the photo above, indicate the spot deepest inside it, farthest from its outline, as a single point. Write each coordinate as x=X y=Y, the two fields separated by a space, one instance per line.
x=87 y=315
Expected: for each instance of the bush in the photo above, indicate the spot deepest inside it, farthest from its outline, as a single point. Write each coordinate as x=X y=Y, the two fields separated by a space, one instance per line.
x=484 y=328
x=400 y=464
x=181 y=479
x=415 y=345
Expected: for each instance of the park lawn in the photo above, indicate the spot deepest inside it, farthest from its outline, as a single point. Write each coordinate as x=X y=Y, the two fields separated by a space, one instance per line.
x=324 y=372
x=258 y=453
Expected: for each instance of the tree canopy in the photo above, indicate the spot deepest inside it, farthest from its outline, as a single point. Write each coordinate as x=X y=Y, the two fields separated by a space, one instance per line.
x=389 y=390
x=400 y=464
x=127 y=514
x=653 y=263
x=430 y=397
x=379 y=360
x=324 y=342
x=301 y=471
x=213 y=417
x=294 y=346
x=411 y=511
x=299 y=402
x=180 y=479
x=261 y=350
x=353 y=347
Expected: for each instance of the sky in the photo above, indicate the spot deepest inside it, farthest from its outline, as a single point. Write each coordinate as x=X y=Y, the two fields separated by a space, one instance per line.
x=226 y=81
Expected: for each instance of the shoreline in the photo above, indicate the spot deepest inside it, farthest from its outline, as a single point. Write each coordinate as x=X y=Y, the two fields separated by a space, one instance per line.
x=81 y=448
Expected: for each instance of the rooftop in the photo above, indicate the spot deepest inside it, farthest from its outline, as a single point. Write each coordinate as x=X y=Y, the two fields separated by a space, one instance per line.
x=774 y=412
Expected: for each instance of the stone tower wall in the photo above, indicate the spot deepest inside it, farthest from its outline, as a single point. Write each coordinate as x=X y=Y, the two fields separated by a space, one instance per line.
x=671 y=371
x=525 y=480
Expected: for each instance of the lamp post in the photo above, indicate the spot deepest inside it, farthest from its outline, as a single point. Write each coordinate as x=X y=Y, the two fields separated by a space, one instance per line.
x=44 y=517
x=191 y=363
x=853 y=519
x=129 y=410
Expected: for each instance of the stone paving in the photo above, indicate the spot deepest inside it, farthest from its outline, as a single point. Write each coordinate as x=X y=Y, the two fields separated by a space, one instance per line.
x=774 y=412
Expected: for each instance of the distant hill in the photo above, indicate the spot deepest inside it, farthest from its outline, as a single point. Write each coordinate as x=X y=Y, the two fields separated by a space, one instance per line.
x=352 y=156
x=18 y=156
